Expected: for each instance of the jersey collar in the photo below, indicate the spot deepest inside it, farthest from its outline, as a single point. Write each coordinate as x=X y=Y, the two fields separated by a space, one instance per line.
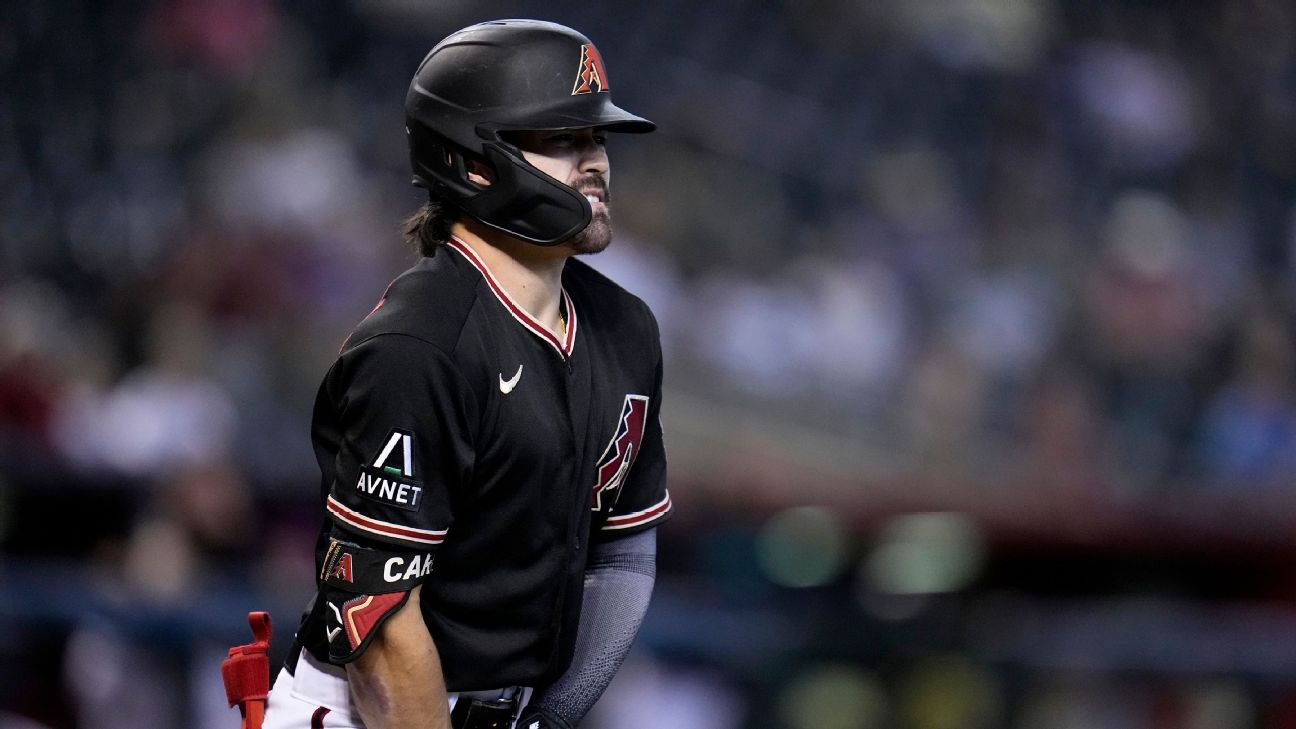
x=563 y=346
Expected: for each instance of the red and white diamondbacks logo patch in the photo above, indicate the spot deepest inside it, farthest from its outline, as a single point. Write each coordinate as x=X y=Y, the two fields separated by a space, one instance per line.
x=620 y=453
x=591 y=76
x=343 y=569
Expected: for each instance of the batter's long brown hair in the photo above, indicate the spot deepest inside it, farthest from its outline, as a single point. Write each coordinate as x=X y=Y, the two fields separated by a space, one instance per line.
x=429 y=226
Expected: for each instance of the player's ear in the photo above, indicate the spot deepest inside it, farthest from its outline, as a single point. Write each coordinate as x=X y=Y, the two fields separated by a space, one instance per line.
x=480 y=173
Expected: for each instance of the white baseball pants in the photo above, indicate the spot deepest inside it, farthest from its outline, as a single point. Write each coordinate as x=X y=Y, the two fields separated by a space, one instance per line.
x=318 y=697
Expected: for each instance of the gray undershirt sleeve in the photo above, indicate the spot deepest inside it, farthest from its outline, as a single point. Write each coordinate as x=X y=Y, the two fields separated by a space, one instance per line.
x=618 y=583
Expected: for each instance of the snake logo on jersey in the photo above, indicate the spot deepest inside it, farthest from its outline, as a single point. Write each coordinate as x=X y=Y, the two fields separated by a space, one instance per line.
x=620 y=453
x=389 y=479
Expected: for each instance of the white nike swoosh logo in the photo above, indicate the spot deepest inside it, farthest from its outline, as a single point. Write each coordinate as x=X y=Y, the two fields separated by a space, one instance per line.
x=333 y=633
x=506 y=386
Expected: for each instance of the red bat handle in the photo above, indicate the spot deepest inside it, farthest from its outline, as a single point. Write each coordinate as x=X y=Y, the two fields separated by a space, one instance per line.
x=247 y=672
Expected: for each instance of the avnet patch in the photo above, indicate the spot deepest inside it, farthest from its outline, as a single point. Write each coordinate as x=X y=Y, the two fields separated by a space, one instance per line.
x=380 y=486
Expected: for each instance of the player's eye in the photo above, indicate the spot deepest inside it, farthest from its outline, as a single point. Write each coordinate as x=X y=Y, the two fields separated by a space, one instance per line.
x=561 y=139
x=601 y=139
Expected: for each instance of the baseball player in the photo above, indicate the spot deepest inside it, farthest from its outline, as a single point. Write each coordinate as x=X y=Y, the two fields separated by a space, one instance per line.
x=492 y=457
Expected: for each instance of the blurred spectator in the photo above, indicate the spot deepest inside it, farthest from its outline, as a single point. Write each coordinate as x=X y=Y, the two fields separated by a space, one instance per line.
x=164 y=415
x=1248 y=433
x=127 y=668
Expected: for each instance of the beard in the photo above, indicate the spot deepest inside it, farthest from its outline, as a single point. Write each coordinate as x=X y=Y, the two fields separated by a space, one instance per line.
x=598 y=234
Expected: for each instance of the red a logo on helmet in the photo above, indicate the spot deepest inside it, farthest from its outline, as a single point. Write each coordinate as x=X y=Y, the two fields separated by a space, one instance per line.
x=591 y=75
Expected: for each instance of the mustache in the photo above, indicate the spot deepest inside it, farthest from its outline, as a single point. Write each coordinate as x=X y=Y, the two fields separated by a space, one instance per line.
x=595 y=181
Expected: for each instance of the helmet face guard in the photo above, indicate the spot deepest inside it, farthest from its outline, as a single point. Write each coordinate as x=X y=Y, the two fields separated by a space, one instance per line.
x=508 y=75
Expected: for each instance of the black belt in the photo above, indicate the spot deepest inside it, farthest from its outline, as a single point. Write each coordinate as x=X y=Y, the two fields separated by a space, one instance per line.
x=469 y=713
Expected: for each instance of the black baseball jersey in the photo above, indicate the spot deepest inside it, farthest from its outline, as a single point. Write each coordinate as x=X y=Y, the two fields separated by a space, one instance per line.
x=456 y=427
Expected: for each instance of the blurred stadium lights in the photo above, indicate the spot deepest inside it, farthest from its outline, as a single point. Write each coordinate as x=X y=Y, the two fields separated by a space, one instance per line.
x=949 y=692
x=918 y=554
x=803 y=546
x=834 y=696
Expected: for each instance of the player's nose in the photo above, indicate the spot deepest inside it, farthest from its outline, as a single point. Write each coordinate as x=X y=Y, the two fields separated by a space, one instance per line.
x=594 y=159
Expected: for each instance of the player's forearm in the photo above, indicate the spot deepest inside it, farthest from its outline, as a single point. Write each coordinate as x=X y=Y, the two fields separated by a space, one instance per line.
x=618 y=585
x=397 y=682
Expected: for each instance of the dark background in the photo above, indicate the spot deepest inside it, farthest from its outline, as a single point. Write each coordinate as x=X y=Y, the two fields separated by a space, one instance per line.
x=979 y=331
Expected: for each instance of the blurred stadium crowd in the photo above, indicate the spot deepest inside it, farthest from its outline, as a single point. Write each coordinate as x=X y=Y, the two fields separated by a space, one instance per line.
x=978 y=315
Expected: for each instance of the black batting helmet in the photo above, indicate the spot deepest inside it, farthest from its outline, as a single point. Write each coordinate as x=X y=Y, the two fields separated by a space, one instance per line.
x=501 y=76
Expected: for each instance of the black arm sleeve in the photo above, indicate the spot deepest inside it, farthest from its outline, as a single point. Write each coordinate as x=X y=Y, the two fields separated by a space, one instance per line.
x=618 y=583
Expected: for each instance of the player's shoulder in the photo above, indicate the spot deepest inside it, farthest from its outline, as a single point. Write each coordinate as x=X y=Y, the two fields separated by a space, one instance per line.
x=606 y=297
x=430 y=302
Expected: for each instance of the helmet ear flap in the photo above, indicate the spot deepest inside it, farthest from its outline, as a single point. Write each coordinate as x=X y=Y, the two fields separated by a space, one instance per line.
x=527 y=203
x=441 y=164
x=519 y=199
